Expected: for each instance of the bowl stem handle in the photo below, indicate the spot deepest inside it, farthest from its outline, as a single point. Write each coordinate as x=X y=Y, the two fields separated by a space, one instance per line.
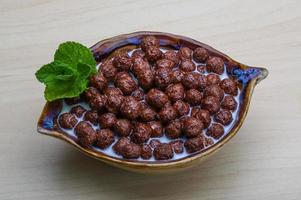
x=250 y=73
x=262 y=75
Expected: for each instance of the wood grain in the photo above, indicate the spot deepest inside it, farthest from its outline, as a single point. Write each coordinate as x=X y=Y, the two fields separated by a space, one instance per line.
x=262 y=162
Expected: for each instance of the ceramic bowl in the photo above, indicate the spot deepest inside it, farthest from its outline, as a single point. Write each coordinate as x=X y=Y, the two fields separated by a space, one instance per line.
x=248 y=77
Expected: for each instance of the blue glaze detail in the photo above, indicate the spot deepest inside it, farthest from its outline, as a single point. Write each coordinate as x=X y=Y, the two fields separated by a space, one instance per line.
x=48 y=123
x=245 y=75
x=134 y=41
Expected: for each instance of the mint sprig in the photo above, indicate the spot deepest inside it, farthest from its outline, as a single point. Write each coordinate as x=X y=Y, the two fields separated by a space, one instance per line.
x=67 y=76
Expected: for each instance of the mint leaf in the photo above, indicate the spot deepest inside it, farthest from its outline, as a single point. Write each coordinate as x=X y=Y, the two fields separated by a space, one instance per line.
x=55 y=70
x=73 y=53
x=59 y=89
x=84 y=70
x=67 y=76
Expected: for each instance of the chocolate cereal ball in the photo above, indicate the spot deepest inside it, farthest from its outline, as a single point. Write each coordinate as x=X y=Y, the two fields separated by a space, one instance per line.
x=125 y=83
x=181 y=107
x=107 y=120
x=156 y=98
x=142 y=71
x=229 y=86
x=123 y=127
x=105 y=137
x=85 y=133
x=154 y=143
x=203 y=115
x=165 y=63
x=215 y=130
x=91 y=92
x=224 y=117
x=98 y=81
x=172 y=55
x=177 y=146
x=215 y=65
x=108 y=69
x=149 y=41
x=138 y=94
x=122 y=62
x=119 y=146
x=193 y=97
x=141 y=133
x=193 y=80
x=126 y=148
x=112 y=91
x=67 y=120
x=162 y=77
x=78 y=111
x=212 y=79
x=91 y=116
x=187 y=66
x=173 y=129
x=177 y=76
x=131 y=151
x=214 y=90
x=192 y=127
x=185 y=53
x=140 y=65
x=157 y=129
x=146 y=151
x=175 y=92
x=194 y=144
x=211 y=104
x=138 y=53
x=229 y=103
x=153 y=54
x=130 y=108
x=114 y=98
x=200 y=54
x=146 y=79
x=98 y=102
x=147 y=113
x=167 y=113
x=163 y=152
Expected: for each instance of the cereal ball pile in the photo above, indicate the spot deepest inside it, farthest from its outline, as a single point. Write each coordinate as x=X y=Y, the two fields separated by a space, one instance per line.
x=137 y=98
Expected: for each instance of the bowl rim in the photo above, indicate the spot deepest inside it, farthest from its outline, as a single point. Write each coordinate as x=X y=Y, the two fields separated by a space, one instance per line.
x=169 y=163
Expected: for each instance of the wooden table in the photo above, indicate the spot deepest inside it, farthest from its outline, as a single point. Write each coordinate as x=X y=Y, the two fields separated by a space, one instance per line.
x=262 y=162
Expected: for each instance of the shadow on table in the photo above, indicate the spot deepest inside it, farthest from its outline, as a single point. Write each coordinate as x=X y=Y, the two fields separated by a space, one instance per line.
x=96 y=178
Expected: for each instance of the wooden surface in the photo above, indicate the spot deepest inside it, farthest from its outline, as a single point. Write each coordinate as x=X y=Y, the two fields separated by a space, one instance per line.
x=262 y=162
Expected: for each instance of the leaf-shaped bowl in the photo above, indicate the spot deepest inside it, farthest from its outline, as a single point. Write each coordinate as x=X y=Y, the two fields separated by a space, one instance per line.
x=248 y=77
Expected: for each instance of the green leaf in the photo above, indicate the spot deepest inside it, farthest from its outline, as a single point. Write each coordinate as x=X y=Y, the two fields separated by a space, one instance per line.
x=84 y=70
x=72 y=53
x=59 y=89
x=67 y=76
x=55 y=70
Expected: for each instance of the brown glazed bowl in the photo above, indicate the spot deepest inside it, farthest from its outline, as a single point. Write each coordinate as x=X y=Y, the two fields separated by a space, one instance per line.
x=248 y=77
